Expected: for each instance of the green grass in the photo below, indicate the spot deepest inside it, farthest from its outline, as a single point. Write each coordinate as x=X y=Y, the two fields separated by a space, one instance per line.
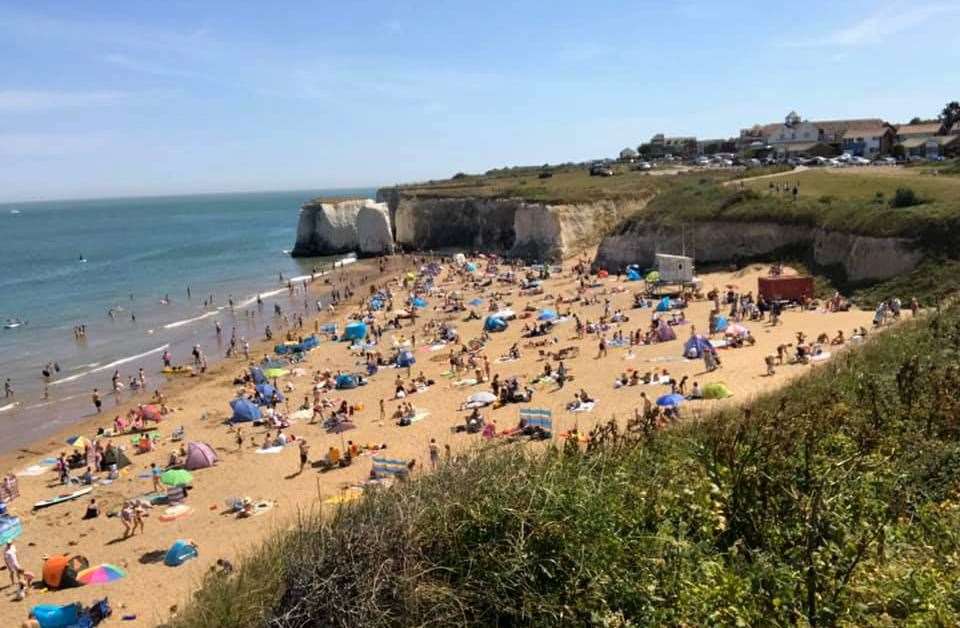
x=568 y=184
x=851 y=202
x=834 y=501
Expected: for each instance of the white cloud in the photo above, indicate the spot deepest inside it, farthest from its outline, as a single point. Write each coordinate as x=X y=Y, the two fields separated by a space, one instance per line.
x=880 y=26
x=24 y=100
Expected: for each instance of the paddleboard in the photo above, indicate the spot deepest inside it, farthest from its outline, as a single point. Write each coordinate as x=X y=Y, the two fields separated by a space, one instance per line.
x=53 y=501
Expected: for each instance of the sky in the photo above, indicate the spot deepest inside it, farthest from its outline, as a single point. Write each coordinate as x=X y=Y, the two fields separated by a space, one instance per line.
x=144 y=97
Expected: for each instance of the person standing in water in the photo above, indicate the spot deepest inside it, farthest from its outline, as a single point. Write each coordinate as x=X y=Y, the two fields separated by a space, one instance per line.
x=97 y=402
x=7 y=389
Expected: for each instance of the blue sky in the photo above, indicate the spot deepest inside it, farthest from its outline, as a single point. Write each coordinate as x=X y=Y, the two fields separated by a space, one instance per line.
x=122 y=98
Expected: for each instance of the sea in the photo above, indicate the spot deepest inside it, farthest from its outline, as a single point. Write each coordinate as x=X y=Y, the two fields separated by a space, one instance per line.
x=122 y=267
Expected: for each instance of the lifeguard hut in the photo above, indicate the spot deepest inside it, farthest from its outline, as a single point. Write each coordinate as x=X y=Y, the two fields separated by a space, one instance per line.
x=675 y=268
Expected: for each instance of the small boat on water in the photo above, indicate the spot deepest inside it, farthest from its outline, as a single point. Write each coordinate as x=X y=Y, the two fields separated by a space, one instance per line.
x=14 y=211
x=13 y=323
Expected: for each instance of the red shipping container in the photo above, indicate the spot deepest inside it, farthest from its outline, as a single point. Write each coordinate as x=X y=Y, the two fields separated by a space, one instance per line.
x=785 y=288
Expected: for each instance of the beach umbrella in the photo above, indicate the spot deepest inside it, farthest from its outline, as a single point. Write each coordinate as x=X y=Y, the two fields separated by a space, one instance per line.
x=79 y=442
x=716 y=390
x=480 y=399
x=669 y=401
x=101 y=574
x=652 y=277
x=275 y=373
x=176 y=477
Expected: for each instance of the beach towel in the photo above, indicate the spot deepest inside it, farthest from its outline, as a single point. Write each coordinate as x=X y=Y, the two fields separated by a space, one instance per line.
x=470 y=381
x=585 y=407
x=270 y=450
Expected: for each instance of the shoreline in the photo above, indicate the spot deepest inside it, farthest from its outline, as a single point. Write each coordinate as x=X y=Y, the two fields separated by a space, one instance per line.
x=170 y=386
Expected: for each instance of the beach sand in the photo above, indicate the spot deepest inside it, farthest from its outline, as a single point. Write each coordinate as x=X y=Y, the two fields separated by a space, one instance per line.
x=151 y=590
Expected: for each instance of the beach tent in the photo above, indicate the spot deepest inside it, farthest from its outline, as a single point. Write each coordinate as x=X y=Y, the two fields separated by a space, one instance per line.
x=665 y=332
x=309 y=343
x=53 y=616
x=355 y=331
x=60 y=571
x=719 y=323
x=405 y=359
x=633 y=275
x=199 y=456
x=266 y=392
x=696 y=346
x=480 y=399
x=670 y=401
x=547 y=315
x=346 y=382
x=418 y=303
x=460 y=259
x=471 y=267
x=652 y=277
x=257 y=374
x=494 y=323
x=180 y=552
x=664 y=305
x=716 y=390
x=244 y=410
x=114 y=456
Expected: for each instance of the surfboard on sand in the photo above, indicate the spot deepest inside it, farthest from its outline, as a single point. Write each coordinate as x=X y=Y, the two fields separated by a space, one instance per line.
x=53 y=501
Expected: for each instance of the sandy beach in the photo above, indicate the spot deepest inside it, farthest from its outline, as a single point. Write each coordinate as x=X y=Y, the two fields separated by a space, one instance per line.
x=151 y=590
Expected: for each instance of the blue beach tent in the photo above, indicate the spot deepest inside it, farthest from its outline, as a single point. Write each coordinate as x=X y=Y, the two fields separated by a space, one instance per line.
x=53 y=616
x=547 y=315
x=180 y=552
x=633 y=275
x=720 y=323
x=355 y=331
x=664 y=305
x=346 y=382
x=257 y=374
x=265 y=392
x=244 y=411
x=696 y=346
x=405 y=359
x=494 y=323
x=418 y=303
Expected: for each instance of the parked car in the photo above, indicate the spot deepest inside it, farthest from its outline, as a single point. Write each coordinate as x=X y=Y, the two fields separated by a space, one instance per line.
x=885 y=161
x=860 y=161
x=601 y=170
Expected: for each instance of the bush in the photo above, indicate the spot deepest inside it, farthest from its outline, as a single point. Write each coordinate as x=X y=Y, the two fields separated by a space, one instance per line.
x=905 y=197
x=459 y=175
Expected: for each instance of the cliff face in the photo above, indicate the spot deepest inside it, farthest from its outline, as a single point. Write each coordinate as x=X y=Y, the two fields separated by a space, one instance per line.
x=361 y=226
x=862 y=258
x=534 y=231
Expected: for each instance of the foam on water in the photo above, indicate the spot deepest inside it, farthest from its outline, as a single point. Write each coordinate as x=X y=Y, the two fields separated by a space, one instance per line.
x=187 y=321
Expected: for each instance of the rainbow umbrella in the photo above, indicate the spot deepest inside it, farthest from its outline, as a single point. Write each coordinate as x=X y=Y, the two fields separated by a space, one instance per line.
x=176 y=477
x=101 y=574
x=79 y=442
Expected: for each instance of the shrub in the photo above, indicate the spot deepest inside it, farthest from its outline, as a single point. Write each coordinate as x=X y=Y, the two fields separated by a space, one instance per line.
x=905 y=197
x=460 y=175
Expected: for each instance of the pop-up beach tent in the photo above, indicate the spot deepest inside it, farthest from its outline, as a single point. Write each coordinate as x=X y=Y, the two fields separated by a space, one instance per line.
x=716 y=390
x=114 y=456
x=257 y=374
x=60 y=571
x=244 y=410
x=346 y=382
x=180 y=552
x=494 y=323
x=665 y=332
x=355 y=331
x=199 y=456
x=405 y=359
x=266 y=392
x=664 y=305
x=696 y=346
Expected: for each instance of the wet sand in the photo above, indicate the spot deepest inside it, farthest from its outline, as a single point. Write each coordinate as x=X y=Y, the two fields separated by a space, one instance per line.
x=151 y=589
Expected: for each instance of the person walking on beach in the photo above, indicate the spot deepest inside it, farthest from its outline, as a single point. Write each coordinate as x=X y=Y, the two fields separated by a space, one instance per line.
x=97 y=402
x=8 y=389
x=138 y=518
x=239 y=439
x=434 y=453
x=142 y=377
x=155 y=476
x=126 y=518
x=304 y=454
x=12 y=562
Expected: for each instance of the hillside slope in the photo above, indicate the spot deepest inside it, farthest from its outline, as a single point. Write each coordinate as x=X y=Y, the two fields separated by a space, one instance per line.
x=835 y=500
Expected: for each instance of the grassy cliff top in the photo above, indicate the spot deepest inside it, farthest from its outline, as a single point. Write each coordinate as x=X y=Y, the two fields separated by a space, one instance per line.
x=864 y=201
x=567 y=184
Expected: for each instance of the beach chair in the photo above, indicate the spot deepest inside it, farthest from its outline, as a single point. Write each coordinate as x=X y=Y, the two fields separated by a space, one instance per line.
x=535 y=418
x=389 y=467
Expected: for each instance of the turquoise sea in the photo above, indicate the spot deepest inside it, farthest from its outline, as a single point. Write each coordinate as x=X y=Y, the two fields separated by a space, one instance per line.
x=65 y=263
